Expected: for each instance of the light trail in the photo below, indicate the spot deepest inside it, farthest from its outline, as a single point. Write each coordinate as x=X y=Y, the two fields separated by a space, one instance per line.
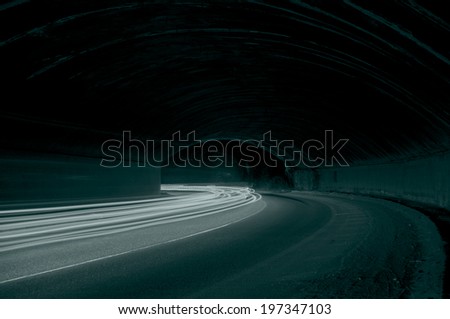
x=20 y=228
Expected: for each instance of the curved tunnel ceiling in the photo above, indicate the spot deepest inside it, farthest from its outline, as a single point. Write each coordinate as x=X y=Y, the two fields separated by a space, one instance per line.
x=374 y=72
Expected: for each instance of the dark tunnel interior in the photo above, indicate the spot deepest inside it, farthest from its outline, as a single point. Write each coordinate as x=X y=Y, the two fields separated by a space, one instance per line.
x=76 y=74
x=227 y=69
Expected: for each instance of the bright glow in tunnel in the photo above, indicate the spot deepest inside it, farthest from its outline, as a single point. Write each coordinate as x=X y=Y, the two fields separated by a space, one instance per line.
x=21 y=228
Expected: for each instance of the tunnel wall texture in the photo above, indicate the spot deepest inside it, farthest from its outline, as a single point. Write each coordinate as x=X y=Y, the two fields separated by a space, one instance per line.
x=64 y=178
x=424 y=180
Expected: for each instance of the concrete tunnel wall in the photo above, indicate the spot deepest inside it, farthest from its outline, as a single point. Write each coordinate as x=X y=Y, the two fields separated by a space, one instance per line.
x=67 y=178
x=425 y=180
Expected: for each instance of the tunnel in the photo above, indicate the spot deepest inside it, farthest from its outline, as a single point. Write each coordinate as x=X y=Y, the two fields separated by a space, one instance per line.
x=176 y=149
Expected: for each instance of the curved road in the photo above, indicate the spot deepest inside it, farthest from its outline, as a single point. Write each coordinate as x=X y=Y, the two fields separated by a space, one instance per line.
x=222 y=242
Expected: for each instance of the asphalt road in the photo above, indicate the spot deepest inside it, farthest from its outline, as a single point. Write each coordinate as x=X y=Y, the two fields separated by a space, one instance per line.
x=290 y=245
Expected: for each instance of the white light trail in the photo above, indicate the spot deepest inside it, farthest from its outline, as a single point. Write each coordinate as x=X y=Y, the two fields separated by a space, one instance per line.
x=21 y=228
